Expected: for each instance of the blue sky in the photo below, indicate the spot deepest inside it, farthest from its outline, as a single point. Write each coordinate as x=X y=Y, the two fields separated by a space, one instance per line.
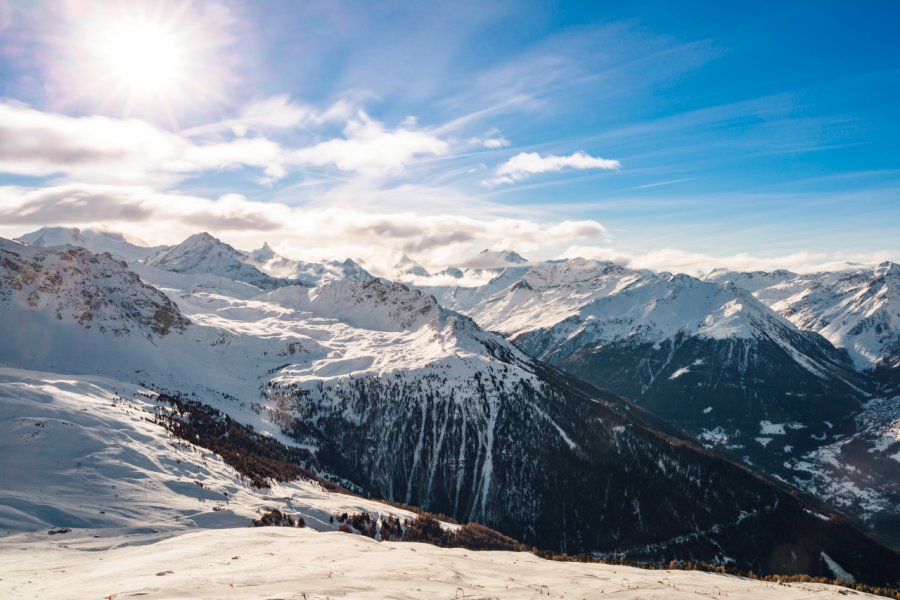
x=753 y=135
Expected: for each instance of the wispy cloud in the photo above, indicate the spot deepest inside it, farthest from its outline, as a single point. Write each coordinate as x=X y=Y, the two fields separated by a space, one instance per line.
x=276 y=113
x=525 y=164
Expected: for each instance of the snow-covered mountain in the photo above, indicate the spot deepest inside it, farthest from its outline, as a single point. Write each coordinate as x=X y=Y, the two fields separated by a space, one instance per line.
x=94 y=240
x=474 y=271
x=494 y=259
x=858 y=310
x=710 y=358
x=395 y=396
x=407 y=267
x=307 y=273
x=203 y=253
x=75 y=286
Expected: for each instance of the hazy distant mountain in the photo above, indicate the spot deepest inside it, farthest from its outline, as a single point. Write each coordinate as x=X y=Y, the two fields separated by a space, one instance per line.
x=93 y=239
x=307 y=273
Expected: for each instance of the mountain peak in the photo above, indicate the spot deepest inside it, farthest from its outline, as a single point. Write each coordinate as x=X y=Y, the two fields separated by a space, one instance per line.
x=887 y=268
x=508 y=256
x=94 y=290
x=407 y=266
x=202 y=237
x=204 y=253
x=263 y=254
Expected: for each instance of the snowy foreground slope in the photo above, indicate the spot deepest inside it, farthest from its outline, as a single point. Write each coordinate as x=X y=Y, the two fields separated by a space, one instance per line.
x=393 y=396
x=143 y=527
x=83 y=452
x=304 y=564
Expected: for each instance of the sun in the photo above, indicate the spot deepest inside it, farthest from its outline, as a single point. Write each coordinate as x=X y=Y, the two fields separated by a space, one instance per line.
x=154 y=60
x=143 y=57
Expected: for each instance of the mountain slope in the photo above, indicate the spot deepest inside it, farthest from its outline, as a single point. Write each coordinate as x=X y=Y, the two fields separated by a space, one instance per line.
x=88 y=452
x=279 y=562
x=707 y=357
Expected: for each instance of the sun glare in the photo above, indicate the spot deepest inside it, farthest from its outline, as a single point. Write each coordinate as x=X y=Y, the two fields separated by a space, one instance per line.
x=153 y=60
x=143 y=57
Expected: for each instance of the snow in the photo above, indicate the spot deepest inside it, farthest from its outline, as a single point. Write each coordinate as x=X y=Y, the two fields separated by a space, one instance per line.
x=275 y=562
x=718 y=435
x=767 y=428
x=678 y=373
x=839 y=572
x=764 y=441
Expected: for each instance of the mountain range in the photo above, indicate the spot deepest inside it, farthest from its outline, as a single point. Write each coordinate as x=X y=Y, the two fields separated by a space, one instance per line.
x=768 y=368
x=483 y=403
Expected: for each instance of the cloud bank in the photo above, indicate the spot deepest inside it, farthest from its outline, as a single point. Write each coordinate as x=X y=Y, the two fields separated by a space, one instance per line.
x=298 y=232
x=108 y=150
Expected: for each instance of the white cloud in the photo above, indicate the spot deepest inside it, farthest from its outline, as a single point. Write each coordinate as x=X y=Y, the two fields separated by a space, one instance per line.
x=116 y=151
x=525 y=164
x=103 y=149
x=495 y=142
x=435 y=239
x=371 y=149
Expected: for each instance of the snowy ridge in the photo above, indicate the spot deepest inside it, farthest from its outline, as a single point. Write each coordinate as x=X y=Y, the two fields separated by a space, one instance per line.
x=202 y=253
x=615 y=302
x=858 y=310
x=75 y=285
